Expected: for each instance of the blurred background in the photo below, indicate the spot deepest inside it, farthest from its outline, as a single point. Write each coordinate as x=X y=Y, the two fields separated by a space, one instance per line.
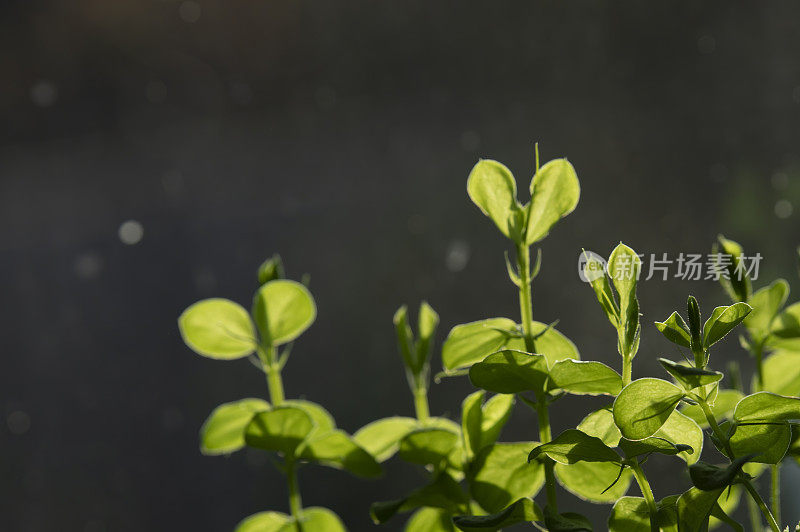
x=153 y=153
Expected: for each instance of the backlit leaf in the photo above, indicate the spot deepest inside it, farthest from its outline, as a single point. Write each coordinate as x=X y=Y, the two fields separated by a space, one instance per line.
x=555 y=192
x=500 y=474
x=510 y=371
x=282 y=429
x=223 y=431
x=722 y=321
x=472 y=342
x=644 y=406
x=584 y=377
x=218 y=328
x=492 y=187
x=282 y=310
x=381 y=438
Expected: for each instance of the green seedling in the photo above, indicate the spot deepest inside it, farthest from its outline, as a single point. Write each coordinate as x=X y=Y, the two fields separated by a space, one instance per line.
x=294 y=431
x=473 y=480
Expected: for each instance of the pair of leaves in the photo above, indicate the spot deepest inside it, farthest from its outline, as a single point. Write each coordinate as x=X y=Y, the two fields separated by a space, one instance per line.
x=300 y=431
x=481 y=423
x=471 y=342
x=219 y=328
x=314 y=518
x=722 y=321
x=554 y=194
x=623 y=269
x=415 y=353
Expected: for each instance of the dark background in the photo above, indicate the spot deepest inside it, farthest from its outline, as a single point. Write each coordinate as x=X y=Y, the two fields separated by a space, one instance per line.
x=340 y=134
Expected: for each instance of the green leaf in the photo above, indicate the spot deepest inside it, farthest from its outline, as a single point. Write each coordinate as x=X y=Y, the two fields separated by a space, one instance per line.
x=600 y=424
x=319 y=520
x=594 y=271
x=554 y=194
x=521 y=511
x=573 y=446
x=708 y=477
x=282 y=310
x=428 y=446
x=336 y=449
x=426 y=327
x=599 y=482
x=496 y=413
x=681 y=429
x=722 y=321
x=644 y=405
x=323 y=420
x=481 y=424
x=688 y=376
x=781 y=374
x=492 y=187
x=631 y=514
x=282 y=429
x=566 y=522
x=624 y=267
x=766 y=443
x=694 y=507
x=218 y=328
x=765 y=406
x=264 y=522
x=652 y=444
x=693 y=312
x=223 y=431
x=549 y=342
x=510 y=371
x=584 y=378
x=270 y=270
x=405 y=339
x=471 y=418
x=728 y=502
x=444 y=493
x=381 y=438
x=675 y=330
x=737 y=286
x=500 y=475
x=786 y=328
x=766 y=303
x=471 y=342
x=722 y=408
x=430 y=520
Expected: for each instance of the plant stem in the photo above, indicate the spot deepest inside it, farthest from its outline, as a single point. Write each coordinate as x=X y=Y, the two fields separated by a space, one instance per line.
x=273 y=371
x=644 y=485
x=775 y=494
x=526 y=295
x=421 y=402
x=545 y=436
x=295 y=504
x=747 y=484
x=542 y=413
x=762 y=506
x=759 y=352
x=627 y=370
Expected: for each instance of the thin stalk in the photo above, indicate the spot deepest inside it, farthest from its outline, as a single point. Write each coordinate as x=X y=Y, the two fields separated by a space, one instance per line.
x=421 y=402
x=627 y=370
x=526 y=295
x=762 y=506
x=545 y=436
x=647 y=492
x=747 y=484
x=542 y=413
x=759 y=353
x=272 y=368
x=295 y=503
x=775 y=492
